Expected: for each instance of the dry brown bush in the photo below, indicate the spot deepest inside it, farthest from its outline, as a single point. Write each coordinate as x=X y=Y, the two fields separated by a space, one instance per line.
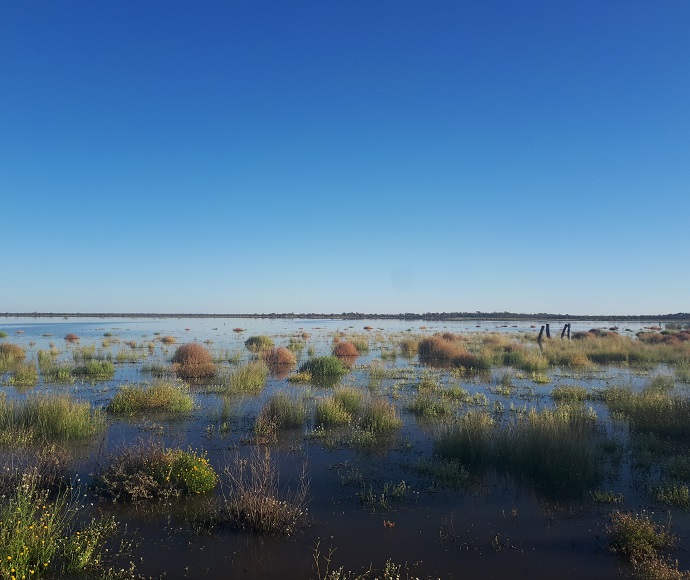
x=193 y=361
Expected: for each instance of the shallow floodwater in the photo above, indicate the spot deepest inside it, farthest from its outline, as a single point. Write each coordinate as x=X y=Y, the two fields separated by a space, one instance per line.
x=492 y=527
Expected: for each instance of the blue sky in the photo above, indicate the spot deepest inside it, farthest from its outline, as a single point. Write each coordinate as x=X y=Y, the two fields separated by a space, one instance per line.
x=333 y=156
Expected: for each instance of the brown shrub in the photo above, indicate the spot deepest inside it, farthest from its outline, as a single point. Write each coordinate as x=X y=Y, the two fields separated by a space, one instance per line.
x=437 y=349
x=12 y=351
x=71 y=337
x=346 y=349
x=280 y=356
x=193 y=361
x=238 y=329
x=168 y=340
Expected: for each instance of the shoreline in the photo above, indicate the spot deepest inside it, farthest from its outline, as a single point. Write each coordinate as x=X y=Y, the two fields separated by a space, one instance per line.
x=428 y=316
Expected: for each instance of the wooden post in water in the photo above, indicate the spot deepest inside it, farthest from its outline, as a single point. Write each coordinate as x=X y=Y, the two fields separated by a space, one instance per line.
x=540 y=333
x=548 y=334
x=565 y=327
x=568 y=330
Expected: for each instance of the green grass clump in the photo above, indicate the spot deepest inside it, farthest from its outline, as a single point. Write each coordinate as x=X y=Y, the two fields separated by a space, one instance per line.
x=281 y=412
x=330 y=413
x=249 y=378
x=324 y=368
x=552 y=448
x=25 y=375
x=350 y=399
x=429 y=406
x=379 y=416
x=58 y=374
x=84 y=353
x=3 y=334
x=569 y=394
x=151 y=471
x=49 y=418
x=300 y=378
x=409 y=347
x=161 y=396
x=662 y=412
x=260 y=343
x=95 y=370
x=467 y=440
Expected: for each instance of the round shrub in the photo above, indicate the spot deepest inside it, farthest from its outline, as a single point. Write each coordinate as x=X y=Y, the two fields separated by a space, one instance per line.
x=150 y=471
x=193 y=361
x=280 y=356
x=345 y=349
x=71 y=337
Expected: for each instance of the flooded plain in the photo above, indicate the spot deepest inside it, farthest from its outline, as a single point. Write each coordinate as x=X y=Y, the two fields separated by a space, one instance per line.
x=441 y=449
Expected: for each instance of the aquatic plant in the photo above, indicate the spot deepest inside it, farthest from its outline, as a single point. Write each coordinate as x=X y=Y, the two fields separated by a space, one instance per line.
x=193 y=361
x=165 y=396
x=569 y=394
x=147 y=471
x=95 y=370
x=324 y=368
x=249 y=378
x=330 y=413
x=280 y=412
x=24 y=375
x=636 y=536
x=10 y=355
x=168 y=339
x=49 y=418
x=254 y=499
x=257 y=344
x=467 y=440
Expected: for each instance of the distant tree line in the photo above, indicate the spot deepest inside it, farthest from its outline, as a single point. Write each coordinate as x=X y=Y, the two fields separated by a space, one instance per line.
x=427 y=316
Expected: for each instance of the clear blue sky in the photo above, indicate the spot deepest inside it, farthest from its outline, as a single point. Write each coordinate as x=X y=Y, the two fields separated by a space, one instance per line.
x=345 y=155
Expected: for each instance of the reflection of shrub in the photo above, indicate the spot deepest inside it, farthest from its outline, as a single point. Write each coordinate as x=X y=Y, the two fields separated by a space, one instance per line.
x=149 y=471
x=259 y=343
x=161 y=396
x=193 y=361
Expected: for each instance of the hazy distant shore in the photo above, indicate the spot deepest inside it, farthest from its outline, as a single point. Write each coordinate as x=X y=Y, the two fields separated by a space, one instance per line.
x=677 y=317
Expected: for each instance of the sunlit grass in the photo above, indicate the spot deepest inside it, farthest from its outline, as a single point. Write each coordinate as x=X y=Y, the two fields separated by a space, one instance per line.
x=171 y=397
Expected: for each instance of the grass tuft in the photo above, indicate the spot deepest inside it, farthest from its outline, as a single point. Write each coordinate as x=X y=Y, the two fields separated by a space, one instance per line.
x=160 y=396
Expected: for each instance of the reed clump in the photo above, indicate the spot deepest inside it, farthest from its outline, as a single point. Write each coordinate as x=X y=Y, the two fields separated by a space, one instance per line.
x=281 y=412
x=95 y=370
x=662 y=412
x=24 y=375
x=193 y=361
x=161 y=396
x=49 y=418
x=249 y=378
